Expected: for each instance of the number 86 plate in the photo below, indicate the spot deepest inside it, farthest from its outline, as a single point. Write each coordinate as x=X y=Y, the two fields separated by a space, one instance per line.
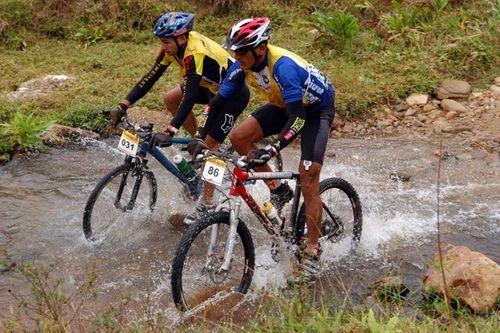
x=213 y=172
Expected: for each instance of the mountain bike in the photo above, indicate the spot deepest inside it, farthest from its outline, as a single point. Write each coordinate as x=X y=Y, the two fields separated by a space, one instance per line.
x=132 y=186
x=215 y=257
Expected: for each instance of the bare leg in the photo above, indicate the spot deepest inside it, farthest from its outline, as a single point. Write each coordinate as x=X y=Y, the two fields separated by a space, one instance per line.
x=173 y=99
x=208 y=188
x=310 y=190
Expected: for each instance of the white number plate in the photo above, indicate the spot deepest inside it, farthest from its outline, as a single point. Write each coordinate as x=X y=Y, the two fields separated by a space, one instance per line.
x=128 y=143
x=213 y=172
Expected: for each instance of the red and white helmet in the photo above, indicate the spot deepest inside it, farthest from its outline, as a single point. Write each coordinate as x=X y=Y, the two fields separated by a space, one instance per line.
x=248 y=33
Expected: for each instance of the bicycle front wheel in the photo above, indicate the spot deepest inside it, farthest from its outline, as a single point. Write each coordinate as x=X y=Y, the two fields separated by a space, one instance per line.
x=342 y=216
x=127 y=193
x=197 y=277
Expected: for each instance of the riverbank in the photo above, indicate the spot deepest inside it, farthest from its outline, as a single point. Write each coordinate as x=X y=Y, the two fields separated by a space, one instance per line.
x=379 y=55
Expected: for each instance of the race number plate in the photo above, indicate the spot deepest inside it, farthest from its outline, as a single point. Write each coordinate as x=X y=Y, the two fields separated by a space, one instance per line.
x=128 y=143
x=213 y=172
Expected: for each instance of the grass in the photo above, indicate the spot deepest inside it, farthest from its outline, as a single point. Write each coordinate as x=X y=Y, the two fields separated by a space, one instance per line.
x=50 y=308
x=374 y=55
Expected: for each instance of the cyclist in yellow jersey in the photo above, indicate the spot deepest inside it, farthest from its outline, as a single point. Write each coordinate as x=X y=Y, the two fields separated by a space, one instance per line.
x=202 y=65
x=299 y=101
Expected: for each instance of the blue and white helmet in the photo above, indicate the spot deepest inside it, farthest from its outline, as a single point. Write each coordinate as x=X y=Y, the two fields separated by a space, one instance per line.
x=173 y=24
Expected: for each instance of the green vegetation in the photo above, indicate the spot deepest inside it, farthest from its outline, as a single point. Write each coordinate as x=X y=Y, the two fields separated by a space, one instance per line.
x=22 y=132
x=50 y=308
x=374 y=52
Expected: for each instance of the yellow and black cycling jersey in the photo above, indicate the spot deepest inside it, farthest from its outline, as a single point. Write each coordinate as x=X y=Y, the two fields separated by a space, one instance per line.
x=201 y=63
x=202 y=56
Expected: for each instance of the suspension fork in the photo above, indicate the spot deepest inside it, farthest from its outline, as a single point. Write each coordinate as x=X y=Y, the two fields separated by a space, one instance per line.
x=231 y=237
x=123 y=183
x=135 y=190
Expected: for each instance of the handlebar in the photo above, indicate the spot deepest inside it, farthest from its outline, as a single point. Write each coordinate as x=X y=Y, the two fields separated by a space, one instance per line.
x=231 y=156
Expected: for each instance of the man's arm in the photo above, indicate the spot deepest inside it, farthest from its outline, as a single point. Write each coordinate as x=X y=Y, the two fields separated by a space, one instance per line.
x=147 y=81
x=191 y=85
x=289 y=81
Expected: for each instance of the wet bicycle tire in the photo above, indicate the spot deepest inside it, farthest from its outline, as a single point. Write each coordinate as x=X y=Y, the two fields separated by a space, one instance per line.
x=340 y=197
x=188 y=273
x=125 y=174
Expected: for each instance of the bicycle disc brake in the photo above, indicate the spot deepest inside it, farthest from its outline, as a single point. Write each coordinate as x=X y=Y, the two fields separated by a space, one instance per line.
x=217 y=275
x=332 y=228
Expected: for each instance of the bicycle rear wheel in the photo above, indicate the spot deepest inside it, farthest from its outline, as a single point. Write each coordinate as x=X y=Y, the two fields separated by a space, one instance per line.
x=111 y=203
x=342 y=216
x=196 y=278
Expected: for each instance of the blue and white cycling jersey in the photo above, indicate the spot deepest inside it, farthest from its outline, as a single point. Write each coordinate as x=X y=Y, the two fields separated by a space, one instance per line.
x=293 y=79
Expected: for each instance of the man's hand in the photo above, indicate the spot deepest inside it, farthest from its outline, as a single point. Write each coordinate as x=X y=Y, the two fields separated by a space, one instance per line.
x=262 y=155
x=117 y=114
x=195 y=147
x=163 y=139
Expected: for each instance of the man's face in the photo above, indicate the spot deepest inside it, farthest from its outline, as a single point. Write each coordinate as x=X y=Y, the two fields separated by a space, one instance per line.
x=170 y=46
x=247 y=58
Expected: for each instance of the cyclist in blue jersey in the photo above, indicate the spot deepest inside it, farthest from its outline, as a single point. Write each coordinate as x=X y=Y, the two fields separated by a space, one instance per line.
x=202 y=64
x=299 y=101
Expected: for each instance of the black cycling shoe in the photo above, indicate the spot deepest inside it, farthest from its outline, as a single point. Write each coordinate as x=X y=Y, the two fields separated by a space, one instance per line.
x=281 y=195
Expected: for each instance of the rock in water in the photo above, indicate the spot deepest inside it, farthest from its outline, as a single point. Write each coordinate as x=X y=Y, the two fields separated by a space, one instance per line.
x=472 y=278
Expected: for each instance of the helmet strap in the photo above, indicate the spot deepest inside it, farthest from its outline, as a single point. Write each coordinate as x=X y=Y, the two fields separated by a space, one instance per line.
x=258 y=60
x=180 y=49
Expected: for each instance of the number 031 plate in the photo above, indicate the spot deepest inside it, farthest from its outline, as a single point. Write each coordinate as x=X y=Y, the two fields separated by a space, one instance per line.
x=128 y=143
x=213 y=172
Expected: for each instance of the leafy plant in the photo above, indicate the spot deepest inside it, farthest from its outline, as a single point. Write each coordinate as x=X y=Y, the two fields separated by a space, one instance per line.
x=438 y=5
x=6 y=146
x=343 y=27
x=401 y=20
x=24 y=131
x=376 y=326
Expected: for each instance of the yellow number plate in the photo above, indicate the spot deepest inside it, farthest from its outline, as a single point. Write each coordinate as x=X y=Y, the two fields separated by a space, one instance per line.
x=128 y=143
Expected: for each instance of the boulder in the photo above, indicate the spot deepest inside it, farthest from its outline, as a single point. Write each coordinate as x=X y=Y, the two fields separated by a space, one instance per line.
x=472 y=278
x=417 y=99
x=451 y=115
x=429 y=107
x=59 y=135
x=410 y=112
x=441 y=123
x=451 y=105
x=496 y=90
x=348 y=128
x=453 y=89
x=37 y=88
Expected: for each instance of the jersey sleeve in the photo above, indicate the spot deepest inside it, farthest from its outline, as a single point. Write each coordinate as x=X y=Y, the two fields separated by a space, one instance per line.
x=190 y=92
x=149 y=79
x=234 y=80
x=287 y=75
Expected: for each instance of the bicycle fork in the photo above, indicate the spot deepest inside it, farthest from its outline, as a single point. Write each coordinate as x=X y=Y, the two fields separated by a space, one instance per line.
x=135 y=190
x=231 y=238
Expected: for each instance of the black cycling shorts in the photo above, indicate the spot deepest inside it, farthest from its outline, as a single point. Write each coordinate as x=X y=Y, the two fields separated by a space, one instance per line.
x=220 y=122
x=314 y=134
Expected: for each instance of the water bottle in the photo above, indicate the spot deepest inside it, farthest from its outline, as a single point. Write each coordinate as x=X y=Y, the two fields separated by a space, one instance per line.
x=184 y=167
x=271 y=213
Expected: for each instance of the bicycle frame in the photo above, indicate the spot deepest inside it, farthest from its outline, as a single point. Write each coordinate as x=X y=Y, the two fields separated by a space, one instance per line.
x=238 y=192
x=144 y=148
x=165 y=162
